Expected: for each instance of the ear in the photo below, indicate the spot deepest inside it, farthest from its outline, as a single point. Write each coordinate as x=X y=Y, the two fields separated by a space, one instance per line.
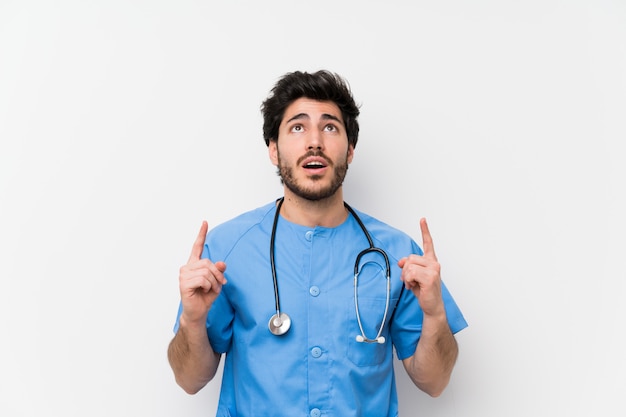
x=272 y=150
x=350 y=153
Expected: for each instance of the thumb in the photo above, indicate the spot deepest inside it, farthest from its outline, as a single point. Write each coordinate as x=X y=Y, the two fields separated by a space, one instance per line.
x=221 y=266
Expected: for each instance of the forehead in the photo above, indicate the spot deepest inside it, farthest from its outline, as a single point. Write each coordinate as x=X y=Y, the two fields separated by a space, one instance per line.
x=314 y=109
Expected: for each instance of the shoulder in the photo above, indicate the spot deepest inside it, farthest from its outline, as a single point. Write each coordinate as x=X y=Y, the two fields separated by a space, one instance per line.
x=377 y=227
x=252 y=224
x=388 y=237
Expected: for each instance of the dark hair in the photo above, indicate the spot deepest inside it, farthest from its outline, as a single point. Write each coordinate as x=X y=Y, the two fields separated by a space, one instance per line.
x=321 y=85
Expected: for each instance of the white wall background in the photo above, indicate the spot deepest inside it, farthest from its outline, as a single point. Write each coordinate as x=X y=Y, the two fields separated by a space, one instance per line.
x=124 y=124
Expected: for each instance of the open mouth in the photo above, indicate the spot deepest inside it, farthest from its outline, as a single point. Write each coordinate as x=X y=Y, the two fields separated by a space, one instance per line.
x=314 y=165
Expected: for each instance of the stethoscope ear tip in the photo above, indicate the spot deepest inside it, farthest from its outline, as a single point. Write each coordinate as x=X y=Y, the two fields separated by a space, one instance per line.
x=380 y=339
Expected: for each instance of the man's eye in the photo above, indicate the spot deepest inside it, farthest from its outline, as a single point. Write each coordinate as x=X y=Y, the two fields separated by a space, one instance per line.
x=296 y=128
x=330 y=128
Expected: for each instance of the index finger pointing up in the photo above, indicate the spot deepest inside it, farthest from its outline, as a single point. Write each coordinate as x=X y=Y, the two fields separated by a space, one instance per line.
x=429 y=248
x=198 y=245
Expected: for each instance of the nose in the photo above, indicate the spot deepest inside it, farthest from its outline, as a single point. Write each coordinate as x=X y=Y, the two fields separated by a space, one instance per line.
x=314 y=140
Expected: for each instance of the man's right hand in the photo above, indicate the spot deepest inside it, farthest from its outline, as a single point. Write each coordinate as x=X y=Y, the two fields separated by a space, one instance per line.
x=200 y=282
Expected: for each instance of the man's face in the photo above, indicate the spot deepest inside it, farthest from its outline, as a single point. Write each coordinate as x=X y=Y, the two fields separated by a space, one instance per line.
x=312 y=152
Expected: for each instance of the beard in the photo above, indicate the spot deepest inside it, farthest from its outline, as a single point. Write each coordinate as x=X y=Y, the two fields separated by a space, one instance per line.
x=313 y=193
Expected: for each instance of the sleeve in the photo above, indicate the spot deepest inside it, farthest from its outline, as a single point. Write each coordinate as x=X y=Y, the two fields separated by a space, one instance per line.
x=406 y=327
x=219 y=320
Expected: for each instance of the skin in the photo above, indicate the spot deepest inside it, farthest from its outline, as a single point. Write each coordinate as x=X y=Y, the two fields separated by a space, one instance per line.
x=312 y=154
x=431 y=365
x=190 y=354
x=311 y=126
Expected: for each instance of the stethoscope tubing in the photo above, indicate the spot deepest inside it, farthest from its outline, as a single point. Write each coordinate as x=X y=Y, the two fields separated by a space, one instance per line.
x=280 y=323
x=272 y=262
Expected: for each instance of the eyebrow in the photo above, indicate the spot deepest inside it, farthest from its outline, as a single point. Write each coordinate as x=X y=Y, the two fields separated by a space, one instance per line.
x=325 y=116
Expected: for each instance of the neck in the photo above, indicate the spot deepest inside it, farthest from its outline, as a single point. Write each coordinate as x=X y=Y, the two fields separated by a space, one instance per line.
x=328 y=212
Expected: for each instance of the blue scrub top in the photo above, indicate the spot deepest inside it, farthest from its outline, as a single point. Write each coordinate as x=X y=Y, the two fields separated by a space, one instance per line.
x=317 y=368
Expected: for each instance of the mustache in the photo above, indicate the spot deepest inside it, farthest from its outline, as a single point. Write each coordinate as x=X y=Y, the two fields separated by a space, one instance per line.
x=317 y=154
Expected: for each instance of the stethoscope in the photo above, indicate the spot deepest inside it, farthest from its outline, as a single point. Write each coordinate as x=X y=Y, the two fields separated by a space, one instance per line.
x=280 y=322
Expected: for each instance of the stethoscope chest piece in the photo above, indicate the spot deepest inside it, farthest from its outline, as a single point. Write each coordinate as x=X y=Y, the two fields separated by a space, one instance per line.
x=279 y=324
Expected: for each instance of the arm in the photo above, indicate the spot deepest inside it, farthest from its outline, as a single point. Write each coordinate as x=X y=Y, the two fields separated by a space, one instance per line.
x=191 y=357
x=189 y=353
x=431 y=365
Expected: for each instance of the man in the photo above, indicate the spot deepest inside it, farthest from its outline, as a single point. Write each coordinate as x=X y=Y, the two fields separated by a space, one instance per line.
x=328 y=346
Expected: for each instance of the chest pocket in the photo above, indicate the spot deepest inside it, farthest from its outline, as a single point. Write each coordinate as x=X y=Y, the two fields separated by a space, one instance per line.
x=372 y=296
x=371 y=311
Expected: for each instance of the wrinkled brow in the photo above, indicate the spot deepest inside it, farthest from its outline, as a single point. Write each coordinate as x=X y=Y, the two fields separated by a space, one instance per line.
x=325 y=116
